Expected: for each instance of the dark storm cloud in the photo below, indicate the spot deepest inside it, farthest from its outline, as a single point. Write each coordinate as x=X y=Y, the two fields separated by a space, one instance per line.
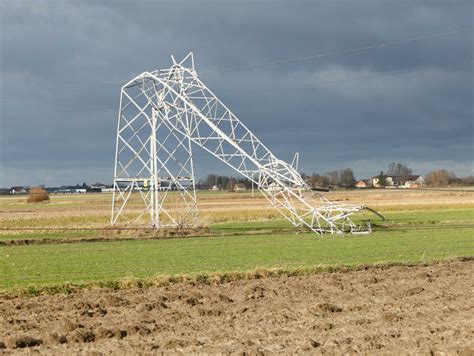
x=62 y=64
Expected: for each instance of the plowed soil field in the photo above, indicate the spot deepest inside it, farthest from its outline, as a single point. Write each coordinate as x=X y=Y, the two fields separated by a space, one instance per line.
x=424 y=309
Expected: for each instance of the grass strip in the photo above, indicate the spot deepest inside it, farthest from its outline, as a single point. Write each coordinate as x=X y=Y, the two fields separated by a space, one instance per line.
x=36 y=265
x=210 y=278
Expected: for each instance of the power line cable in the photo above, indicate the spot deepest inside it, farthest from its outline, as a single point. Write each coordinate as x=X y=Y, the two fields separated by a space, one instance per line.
x=344 y=51
x=297 y=59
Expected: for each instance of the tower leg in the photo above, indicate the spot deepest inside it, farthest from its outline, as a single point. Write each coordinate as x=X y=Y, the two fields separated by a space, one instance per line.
x=154 y=173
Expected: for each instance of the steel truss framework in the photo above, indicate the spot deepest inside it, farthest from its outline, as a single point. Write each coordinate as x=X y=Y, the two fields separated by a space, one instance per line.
x=162 y=113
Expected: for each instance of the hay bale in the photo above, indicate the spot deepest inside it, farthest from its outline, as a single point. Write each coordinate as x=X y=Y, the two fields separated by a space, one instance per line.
x=37 y=195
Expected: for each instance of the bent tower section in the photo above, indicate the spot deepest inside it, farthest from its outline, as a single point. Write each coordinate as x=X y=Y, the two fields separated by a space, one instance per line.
x=162 y=115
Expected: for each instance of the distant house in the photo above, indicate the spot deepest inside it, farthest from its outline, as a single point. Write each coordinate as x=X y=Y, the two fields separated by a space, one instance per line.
x=71 y=191
x=410 y=181
x=363 y=183
x=63 y=191
x=274 y=187
x=96 y=188
x=215 y=188
x=18 y=190
x=239 y=187
x=100 y=188
x=376 y=181
x=98 y=185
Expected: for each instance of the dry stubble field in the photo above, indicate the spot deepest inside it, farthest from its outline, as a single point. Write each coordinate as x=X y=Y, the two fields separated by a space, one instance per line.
x=253 y=286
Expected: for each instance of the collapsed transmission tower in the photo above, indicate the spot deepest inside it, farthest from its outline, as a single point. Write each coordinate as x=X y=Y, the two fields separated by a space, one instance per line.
x=162 y=114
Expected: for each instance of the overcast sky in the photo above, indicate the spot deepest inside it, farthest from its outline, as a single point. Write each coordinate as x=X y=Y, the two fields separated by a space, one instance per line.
x=63 y=62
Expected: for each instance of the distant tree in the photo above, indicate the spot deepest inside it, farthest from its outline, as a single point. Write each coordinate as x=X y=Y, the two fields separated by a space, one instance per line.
x=230 y=183
x=382 y=181
x=440 y=178
x=346 y=178
x=201 y=184
x=247 y=183
x=211 y=180
x=398 y=169
x=333 y=178
x=223 y=181
x=316 y=180
x=467 y=180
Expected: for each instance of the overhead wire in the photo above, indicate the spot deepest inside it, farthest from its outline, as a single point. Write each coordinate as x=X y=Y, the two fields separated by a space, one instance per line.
x=304 y=58
x=343 y=51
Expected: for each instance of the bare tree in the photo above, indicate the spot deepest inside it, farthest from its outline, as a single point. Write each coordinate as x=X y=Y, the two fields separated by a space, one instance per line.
x=398 y=169
x=440 y=178
x=333 y=178
x=346 y=178
x=467 y=180
x=317 y=180
x=211 y=180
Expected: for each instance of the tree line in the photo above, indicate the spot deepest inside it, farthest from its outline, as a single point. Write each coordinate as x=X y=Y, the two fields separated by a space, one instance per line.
x=443 y=178
x=221 y=182
x=344 y=178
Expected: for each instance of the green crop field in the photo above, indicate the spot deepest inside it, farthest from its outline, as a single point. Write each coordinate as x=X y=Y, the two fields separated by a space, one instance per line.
x=88 y=262
x=237 y=244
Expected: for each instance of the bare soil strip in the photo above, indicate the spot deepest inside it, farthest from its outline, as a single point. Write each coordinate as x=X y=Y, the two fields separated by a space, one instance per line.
x=149 y=234
x=398 y=309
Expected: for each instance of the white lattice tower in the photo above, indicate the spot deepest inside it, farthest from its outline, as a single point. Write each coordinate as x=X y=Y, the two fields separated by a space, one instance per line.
x=161 y=114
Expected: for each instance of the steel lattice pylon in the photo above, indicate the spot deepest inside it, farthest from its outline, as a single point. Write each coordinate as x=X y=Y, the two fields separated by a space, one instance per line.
x=162 y=113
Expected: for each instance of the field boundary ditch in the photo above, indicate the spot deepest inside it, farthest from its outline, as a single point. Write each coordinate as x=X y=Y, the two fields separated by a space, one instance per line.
x=193 y=232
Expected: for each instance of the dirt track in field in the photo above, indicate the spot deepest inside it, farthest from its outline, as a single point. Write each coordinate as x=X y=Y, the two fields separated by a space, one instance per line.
x=378 y=310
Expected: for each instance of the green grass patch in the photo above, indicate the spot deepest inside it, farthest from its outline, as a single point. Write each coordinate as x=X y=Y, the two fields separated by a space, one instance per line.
x=206 y=278
x=39 y=265
x=239 y=226
x=397 y=218
x=430 y=217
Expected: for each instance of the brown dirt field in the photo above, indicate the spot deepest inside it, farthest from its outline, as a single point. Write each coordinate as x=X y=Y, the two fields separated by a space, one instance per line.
x=425 y=309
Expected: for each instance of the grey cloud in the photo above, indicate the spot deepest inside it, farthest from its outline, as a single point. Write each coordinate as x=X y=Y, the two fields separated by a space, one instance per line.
x=62 y=64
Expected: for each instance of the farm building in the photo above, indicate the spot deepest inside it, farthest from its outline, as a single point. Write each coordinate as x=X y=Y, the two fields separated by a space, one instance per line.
x=273 y=187
x=18 y=190
x=239 y=187
x=101 y=188
x=363 y=183
x=70 y=191
x=418 y=183
x=411 y=181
